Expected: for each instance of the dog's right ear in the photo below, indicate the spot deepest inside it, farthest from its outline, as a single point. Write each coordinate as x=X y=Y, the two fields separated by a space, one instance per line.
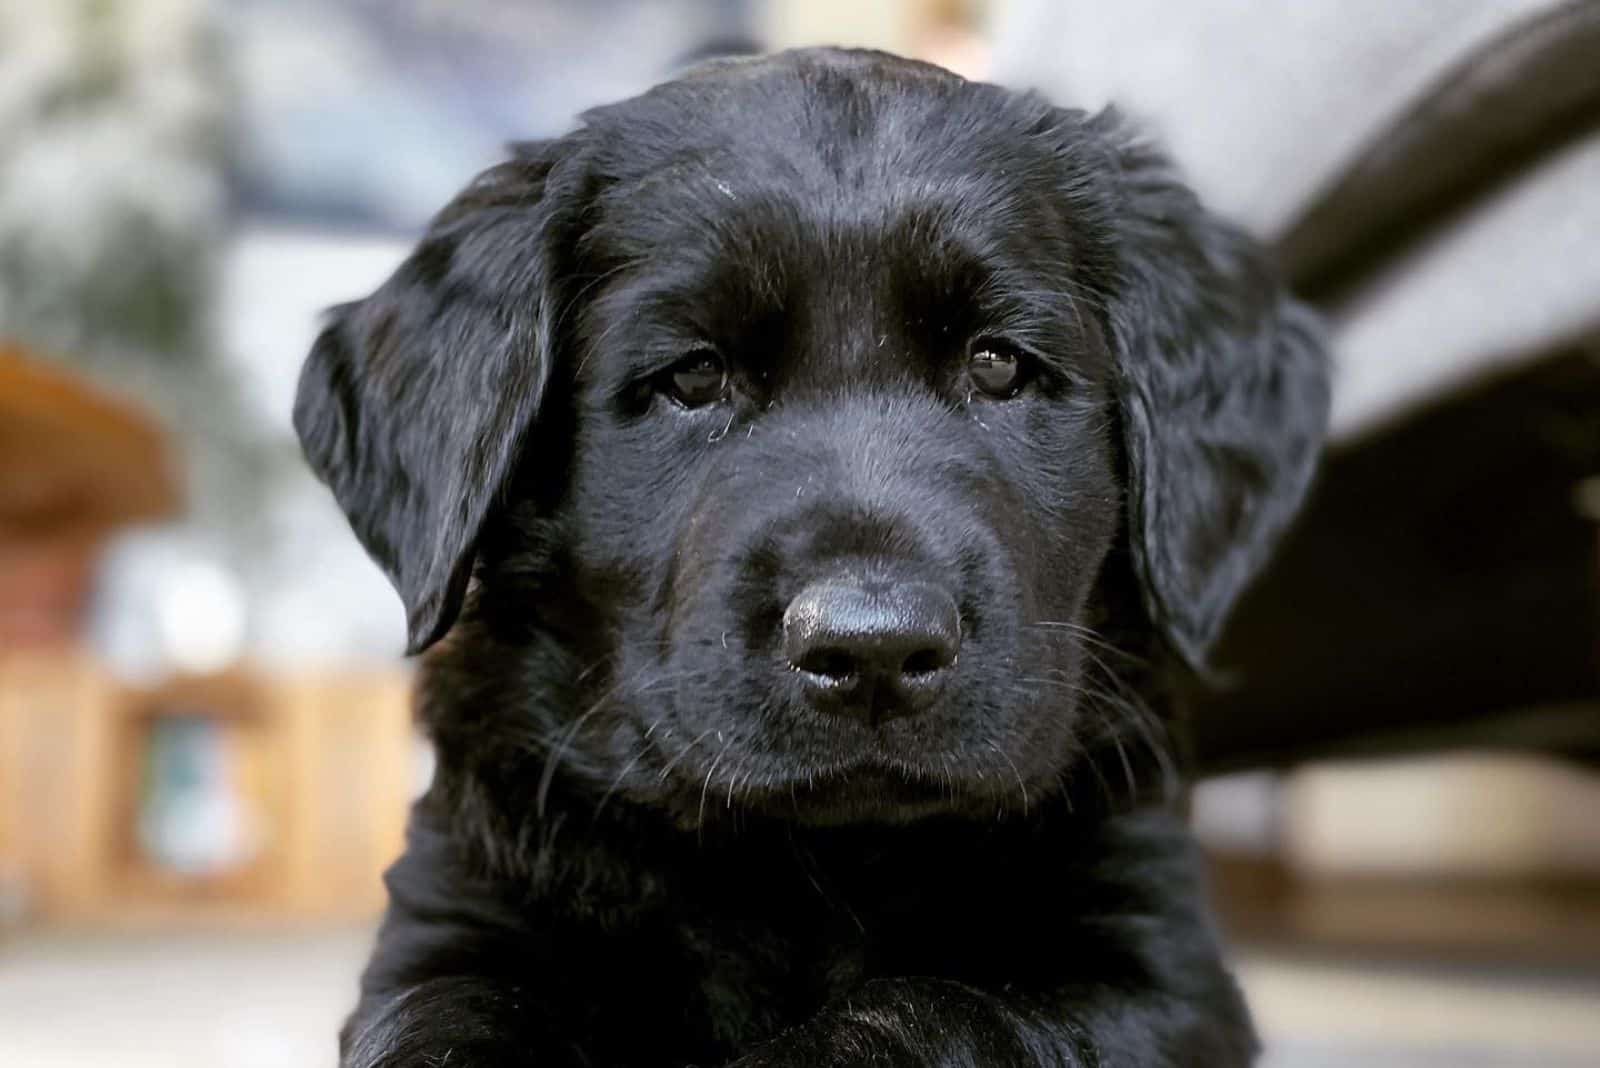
x=415 y=403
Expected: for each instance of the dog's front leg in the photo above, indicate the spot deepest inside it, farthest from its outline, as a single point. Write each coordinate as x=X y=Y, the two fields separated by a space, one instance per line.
x=917 y=1022
x=934 y=1023
x=457 y=1021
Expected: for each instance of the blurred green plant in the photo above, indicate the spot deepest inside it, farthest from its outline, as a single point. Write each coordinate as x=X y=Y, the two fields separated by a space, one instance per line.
x=116 y=123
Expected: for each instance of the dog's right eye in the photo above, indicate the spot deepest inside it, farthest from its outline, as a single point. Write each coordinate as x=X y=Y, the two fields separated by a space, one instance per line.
x=699 y=379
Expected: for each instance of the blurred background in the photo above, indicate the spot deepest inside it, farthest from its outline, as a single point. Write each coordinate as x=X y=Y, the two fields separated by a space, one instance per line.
x=205 y=745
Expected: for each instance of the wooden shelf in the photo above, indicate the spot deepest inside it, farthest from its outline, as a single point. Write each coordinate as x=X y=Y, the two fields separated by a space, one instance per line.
x=332 y=762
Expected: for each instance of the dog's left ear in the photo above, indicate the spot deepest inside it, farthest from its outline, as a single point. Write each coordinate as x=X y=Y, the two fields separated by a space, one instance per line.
x=415 y=403
x=1224 y=392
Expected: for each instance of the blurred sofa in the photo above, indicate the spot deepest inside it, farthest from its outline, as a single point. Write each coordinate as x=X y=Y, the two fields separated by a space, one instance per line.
x=1429 y=176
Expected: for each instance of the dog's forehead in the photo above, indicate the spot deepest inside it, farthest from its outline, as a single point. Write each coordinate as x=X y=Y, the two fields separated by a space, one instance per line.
x=848 y=135
x=855 y=202
x=895 y=265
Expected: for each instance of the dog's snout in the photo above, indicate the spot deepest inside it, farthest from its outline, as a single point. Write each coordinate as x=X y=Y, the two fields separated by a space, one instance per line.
x=875 y=651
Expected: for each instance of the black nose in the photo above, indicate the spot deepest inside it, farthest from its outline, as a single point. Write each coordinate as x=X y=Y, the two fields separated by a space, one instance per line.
x=875 y=651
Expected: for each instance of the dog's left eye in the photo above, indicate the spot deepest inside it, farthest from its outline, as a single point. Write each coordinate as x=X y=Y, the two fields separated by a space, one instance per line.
x=997 y=367
x=699 y=379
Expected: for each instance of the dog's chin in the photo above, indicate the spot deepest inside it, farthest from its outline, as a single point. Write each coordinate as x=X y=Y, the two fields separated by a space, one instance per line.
x=867 y=793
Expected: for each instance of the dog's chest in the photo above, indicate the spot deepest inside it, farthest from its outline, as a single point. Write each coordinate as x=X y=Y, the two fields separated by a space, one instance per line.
x=769 y=954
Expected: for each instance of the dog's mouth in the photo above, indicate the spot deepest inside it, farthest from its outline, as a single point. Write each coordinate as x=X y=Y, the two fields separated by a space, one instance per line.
x=866 y=791
x=855 y=706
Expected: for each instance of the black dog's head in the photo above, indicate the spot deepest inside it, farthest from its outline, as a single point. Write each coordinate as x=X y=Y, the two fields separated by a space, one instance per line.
x=801 y=421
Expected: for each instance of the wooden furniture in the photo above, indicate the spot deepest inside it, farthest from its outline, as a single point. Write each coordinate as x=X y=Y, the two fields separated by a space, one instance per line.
x=319 y=769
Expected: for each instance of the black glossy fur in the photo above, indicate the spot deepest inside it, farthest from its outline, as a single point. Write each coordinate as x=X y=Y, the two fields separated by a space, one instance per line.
x=643 y=846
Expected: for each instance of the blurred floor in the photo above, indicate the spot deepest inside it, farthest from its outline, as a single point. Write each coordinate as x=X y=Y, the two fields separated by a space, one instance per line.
x=259 y=999
x=236 y=1000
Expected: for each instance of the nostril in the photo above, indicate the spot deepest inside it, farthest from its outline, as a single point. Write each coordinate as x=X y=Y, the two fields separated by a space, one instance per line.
x=884 y=644
x=926 y=662
x=829 y=663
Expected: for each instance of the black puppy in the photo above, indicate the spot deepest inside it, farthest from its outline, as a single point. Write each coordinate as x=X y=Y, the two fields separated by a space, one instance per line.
x=827 y=458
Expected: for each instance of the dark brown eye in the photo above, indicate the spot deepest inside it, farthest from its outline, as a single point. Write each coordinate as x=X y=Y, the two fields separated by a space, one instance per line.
x=995 y=367
x=699 y=379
